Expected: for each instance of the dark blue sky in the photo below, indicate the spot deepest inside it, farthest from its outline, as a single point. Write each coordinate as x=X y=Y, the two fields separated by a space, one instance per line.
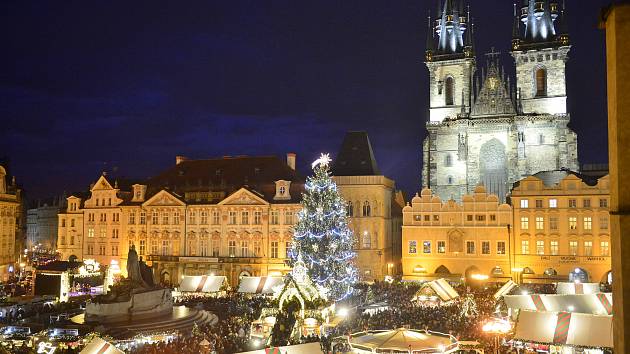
x=87 y=86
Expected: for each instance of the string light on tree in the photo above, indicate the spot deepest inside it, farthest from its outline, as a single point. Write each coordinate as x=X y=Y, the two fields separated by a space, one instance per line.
x=322 y=238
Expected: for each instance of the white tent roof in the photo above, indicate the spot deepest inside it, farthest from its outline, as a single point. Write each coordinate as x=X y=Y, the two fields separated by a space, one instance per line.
x=441 y=288
x=577 y=288
x=403 y=340
x=259 y=285
x=597 y=304
x=583 y=329
x=308 y=348
x=100 y=346
x=505 y=289
x=202 y=283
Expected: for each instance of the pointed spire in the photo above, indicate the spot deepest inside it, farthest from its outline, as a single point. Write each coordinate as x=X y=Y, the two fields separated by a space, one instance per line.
x=429 y=45
x=516 y=32
x=563 y=25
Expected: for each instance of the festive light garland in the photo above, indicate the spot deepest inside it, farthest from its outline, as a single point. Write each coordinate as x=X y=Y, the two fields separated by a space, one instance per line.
x=322 y=236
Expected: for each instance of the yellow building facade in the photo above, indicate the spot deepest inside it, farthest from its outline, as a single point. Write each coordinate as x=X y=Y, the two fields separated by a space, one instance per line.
x=455 y=240
x=10 y=211
x=562 y=227
x=231 y=216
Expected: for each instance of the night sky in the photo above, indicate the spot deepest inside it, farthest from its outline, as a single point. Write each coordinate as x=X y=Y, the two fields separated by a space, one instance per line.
x=124 y=86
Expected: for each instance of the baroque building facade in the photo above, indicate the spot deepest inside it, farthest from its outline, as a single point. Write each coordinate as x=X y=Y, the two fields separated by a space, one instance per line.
x=455 y=240
x=10 y=221
x=562 y=227
x=42 y=224
x=374 y=207
x=482 y=128
x=230 y=216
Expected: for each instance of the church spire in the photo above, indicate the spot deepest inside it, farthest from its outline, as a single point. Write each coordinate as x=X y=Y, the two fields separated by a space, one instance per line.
x=451 y=28
x=430 y=46
x=541 y=23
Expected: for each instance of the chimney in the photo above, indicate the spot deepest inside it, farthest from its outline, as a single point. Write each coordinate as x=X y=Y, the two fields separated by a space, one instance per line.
x=179 y=159
x=291 y=160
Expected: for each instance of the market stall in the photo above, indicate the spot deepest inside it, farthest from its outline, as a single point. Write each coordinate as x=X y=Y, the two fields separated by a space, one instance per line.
x=597 y=304
x=100 y=346
x=436 y=291
x=577 y=288
x=260 y=285
x=203 y=284
x=400 y=340
x=505 y=289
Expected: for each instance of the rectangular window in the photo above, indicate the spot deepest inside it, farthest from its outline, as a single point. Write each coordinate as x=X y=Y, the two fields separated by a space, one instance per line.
x=539 y=203
x=413 y=247
x=215 y=248
x=572 y=223
x=257 y=217
x=603 y=222
x=116 y=217
x=540 y=223
x=553 y=203
x=588 y=223
x=203 y=248
x=166 y=248
x=485 y=247
x=470 y=247
x=441 y=247
x=215 y=217
x=287 y=249
x=524 y=203
x=426 y=247
x=436 y=217
x=604 y=249
x=553 y=247
x=154 y=218
x=525 y=247
x=115 y=233
x=480 y=217
x=132 y=218
x=232 y=248
x=143 y=247
x=469 y=217
x=232 y=218
x=103 y=232
x=204 y=217
x=101 y=250
x=257 y=249
x=540 y=247
x=244 y=249
x=524 y=223
x=192 y=217
x=603 y=203
x=427 y=218
x=114 y=250
x=553 y=223
x=288 y=218
x=274 y=249
x=245 y=218
x=165 y=218
x=586 y=203
x=143 y=218
x=90 y=232
x=588 y=248
x=90 y=249
x=573 y=248
x=176 y=218
x=572 y=203
x=501 y=247
x=154 y=247
x=493 y=217
x=274 y=217
x=417 y=217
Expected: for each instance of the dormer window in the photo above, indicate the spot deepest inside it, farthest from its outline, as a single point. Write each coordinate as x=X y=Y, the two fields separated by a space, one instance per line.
x=139 y=191
x=282 y=190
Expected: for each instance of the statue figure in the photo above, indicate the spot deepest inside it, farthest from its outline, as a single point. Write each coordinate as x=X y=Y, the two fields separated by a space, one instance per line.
x=134 y=273
x=147 y=273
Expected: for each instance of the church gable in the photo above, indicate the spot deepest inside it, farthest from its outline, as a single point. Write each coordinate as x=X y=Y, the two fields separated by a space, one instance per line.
x=163 y=198
x=243 y=197
x=495 y=96
x=102 y=184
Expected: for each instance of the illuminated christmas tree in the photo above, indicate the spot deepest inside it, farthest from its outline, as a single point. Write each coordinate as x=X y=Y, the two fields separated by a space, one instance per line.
x=322 y=238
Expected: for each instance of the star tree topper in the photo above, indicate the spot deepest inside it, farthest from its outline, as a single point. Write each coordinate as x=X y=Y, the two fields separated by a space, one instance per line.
x=323 y=160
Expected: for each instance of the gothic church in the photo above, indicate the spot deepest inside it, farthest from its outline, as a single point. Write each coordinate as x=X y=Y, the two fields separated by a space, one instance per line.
x=482 y=128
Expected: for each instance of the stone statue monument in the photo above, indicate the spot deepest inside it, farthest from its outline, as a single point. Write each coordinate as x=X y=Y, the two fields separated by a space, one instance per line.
x=134 y=274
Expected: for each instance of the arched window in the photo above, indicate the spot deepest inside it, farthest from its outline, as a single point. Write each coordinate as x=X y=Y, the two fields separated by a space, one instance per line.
x=366 y=242
x=541 y=82
x=367 y=210
x=349 y=209
x=450 y=180
x=449 y=89
x=448 y=160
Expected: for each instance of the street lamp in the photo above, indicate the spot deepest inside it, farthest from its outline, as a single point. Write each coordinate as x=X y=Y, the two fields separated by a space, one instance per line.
x=497 y=327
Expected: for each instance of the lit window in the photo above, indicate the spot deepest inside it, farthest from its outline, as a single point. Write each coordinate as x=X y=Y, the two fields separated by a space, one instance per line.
x=164 y=218
x=524 y=203
x=143 y=245
x=540 y=223
x=572 y=223
x=192 y=217
x=274 y=249
x=154 y=218
x=573 y=248
x=501 y=247
x=274 y=217
x=553 y=203
x=525 y=247
x=132 y=218
x=257 y=217
x=143 y=218
x=232 y=248
x=204 y=217
x=553 y=247
x=541 y=82
x=441 y=247
x=232 y=218
x=524 y=223
x=90 y=232
x=588 y=248
x=215 y=217
x=588 y=223
x=540 y=247
x=603 y=222
x=604 y=249
x=288 y=218
x=245 y=218
x=244 y=249
x=176 y=218
x=166 y=248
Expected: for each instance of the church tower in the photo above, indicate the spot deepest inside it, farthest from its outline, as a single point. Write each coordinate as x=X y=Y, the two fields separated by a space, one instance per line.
x=540 y=47
x=450 y=59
